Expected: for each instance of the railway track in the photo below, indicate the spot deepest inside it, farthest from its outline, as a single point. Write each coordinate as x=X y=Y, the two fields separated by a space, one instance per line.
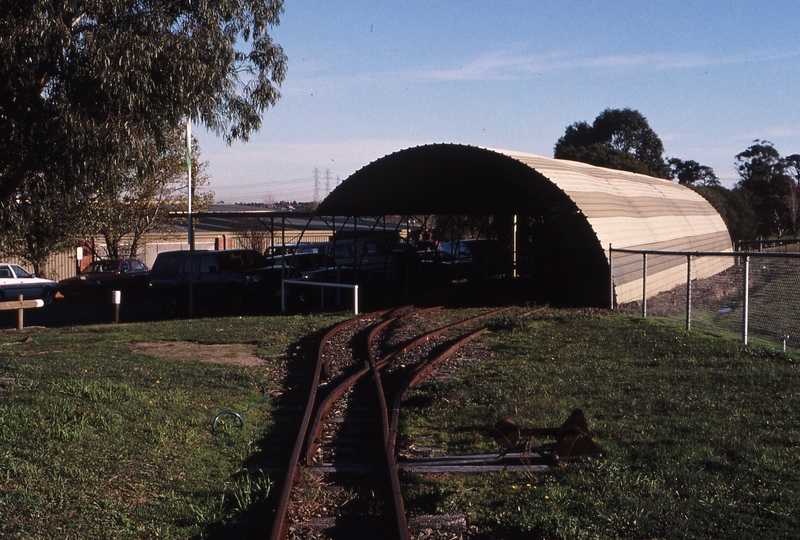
x=342 y=479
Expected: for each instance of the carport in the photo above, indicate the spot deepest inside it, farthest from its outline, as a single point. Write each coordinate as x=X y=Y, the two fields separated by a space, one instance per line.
x=557 y=217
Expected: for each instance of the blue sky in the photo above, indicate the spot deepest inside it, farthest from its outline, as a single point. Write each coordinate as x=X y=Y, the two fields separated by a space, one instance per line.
x=369 y=78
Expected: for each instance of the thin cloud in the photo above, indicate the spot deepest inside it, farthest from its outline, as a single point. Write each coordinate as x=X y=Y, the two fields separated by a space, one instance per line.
x=501 y=65
x=517 y=65
x=779 y=132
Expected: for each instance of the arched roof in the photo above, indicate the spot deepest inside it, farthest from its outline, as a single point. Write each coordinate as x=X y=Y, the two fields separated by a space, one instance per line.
x=619 y=208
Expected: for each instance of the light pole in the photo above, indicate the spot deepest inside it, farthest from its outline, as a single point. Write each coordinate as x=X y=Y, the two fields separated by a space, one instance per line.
x=189 y=215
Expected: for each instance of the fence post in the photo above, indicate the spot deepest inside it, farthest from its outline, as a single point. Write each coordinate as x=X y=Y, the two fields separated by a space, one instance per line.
x=20 y=321
x=644 y=285
x=688 y=293
x=611 y=276
x=746 y=297
x=116 y=298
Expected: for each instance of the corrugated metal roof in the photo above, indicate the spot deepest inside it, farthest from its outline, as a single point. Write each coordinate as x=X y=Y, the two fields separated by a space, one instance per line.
x=623 y=209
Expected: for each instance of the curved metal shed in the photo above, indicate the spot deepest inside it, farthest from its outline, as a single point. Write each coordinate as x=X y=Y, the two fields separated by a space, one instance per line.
x=579 y=210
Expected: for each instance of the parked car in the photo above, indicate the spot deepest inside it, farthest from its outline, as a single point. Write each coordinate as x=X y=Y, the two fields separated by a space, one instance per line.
x=280 y=249
x=225 y=280
x=290 y=249
x=15 y=280
x=472 y=258
x=309 y=265
x=96 y=281
x=371 y=258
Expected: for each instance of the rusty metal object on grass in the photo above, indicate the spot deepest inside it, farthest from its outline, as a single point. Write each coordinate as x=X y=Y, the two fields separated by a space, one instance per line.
x=573 y=438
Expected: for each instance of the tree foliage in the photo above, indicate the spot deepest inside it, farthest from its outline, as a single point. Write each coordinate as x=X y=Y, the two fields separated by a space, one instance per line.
x=45 y=217
x=691 y=173
x=618 y=139
x=88 y=86
x=41 y=219
x=140 y=200
x=734 y=210
x=769 y=183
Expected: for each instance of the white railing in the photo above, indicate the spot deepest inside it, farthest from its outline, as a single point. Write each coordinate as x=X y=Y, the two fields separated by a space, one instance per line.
x=322 y=285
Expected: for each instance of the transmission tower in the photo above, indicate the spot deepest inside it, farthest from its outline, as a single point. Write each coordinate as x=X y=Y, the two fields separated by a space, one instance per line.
x=327 y=181
x=316 y=184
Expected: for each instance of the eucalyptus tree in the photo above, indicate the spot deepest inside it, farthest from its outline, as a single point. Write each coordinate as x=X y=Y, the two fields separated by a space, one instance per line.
x=141 y=198
x=87 y=86
x=691 y=173
x=41 y=219
x=618 y=139
x=767 y=182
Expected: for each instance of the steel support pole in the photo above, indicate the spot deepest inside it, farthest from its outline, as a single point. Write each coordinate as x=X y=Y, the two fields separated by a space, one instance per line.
x=189 y=221
x=283 y=233
x=514 y=248
x=611 y=276
x=746 y=298
x=644 y=285
x=688 y=293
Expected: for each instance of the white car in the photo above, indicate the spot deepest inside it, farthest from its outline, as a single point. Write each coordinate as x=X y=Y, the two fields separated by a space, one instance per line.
x=15 y=280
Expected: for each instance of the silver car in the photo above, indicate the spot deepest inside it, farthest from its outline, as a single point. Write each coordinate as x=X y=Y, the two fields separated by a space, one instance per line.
x=15 y=280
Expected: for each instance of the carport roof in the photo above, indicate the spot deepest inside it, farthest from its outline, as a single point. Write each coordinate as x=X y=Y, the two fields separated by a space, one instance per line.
x=440 y=179
x=623 y=208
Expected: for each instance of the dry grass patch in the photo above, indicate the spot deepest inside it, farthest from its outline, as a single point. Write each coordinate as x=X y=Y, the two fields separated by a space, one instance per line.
x=239 y=354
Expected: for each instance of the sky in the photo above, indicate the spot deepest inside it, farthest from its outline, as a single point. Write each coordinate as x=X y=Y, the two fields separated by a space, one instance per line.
x=369 y=78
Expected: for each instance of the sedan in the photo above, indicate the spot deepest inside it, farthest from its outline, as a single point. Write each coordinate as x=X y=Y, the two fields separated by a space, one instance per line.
x=101 y=277
x=15 y=280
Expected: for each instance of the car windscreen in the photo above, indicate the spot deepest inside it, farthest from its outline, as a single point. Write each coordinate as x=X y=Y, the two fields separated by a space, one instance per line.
x=20 y=272
x=101 y=267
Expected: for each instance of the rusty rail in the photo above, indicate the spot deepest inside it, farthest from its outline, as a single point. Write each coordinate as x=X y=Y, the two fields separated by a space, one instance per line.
x=310 y=432
x=280 y=526
x=420 y=373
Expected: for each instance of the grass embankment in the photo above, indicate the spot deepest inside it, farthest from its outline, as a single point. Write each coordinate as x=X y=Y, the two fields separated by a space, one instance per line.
x=99 y=442
x=701 y=435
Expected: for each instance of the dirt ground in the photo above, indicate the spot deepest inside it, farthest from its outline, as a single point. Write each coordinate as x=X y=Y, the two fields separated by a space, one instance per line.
x=239 y=354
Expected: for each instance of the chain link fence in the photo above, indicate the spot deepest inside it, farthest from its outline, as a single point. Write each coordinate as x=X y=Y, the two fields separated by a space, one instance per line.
x=756 y=299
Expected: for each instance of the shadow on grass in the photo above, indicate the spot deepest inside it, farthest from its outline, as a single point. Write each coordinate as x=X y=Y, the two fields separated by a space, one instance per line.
x=256 y=518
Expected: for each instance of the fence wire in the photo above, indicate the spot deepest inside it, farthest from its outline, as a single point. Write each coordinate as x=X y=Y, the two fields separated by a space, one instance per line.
x=717 y=302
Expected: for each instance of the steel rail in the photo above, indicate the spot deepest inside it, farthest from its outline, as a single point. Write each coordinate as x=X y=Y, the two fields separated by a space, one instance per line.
x=338 y=391
x=280 y=527
x=420 y=373
x=310 y=437
x=397 y=494
x=326 y=367
x=391 y=463
x=426 y=337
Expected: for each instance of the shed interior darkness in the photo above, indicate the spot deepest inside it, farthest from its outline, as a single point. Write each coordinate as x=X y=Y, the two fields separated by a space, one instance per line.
x=464 y=191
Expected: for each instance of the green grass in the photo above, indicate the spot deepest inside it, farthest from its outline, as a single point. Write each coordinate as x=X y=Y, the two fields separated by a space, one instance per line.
x=701 y=434
x=96 y=441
